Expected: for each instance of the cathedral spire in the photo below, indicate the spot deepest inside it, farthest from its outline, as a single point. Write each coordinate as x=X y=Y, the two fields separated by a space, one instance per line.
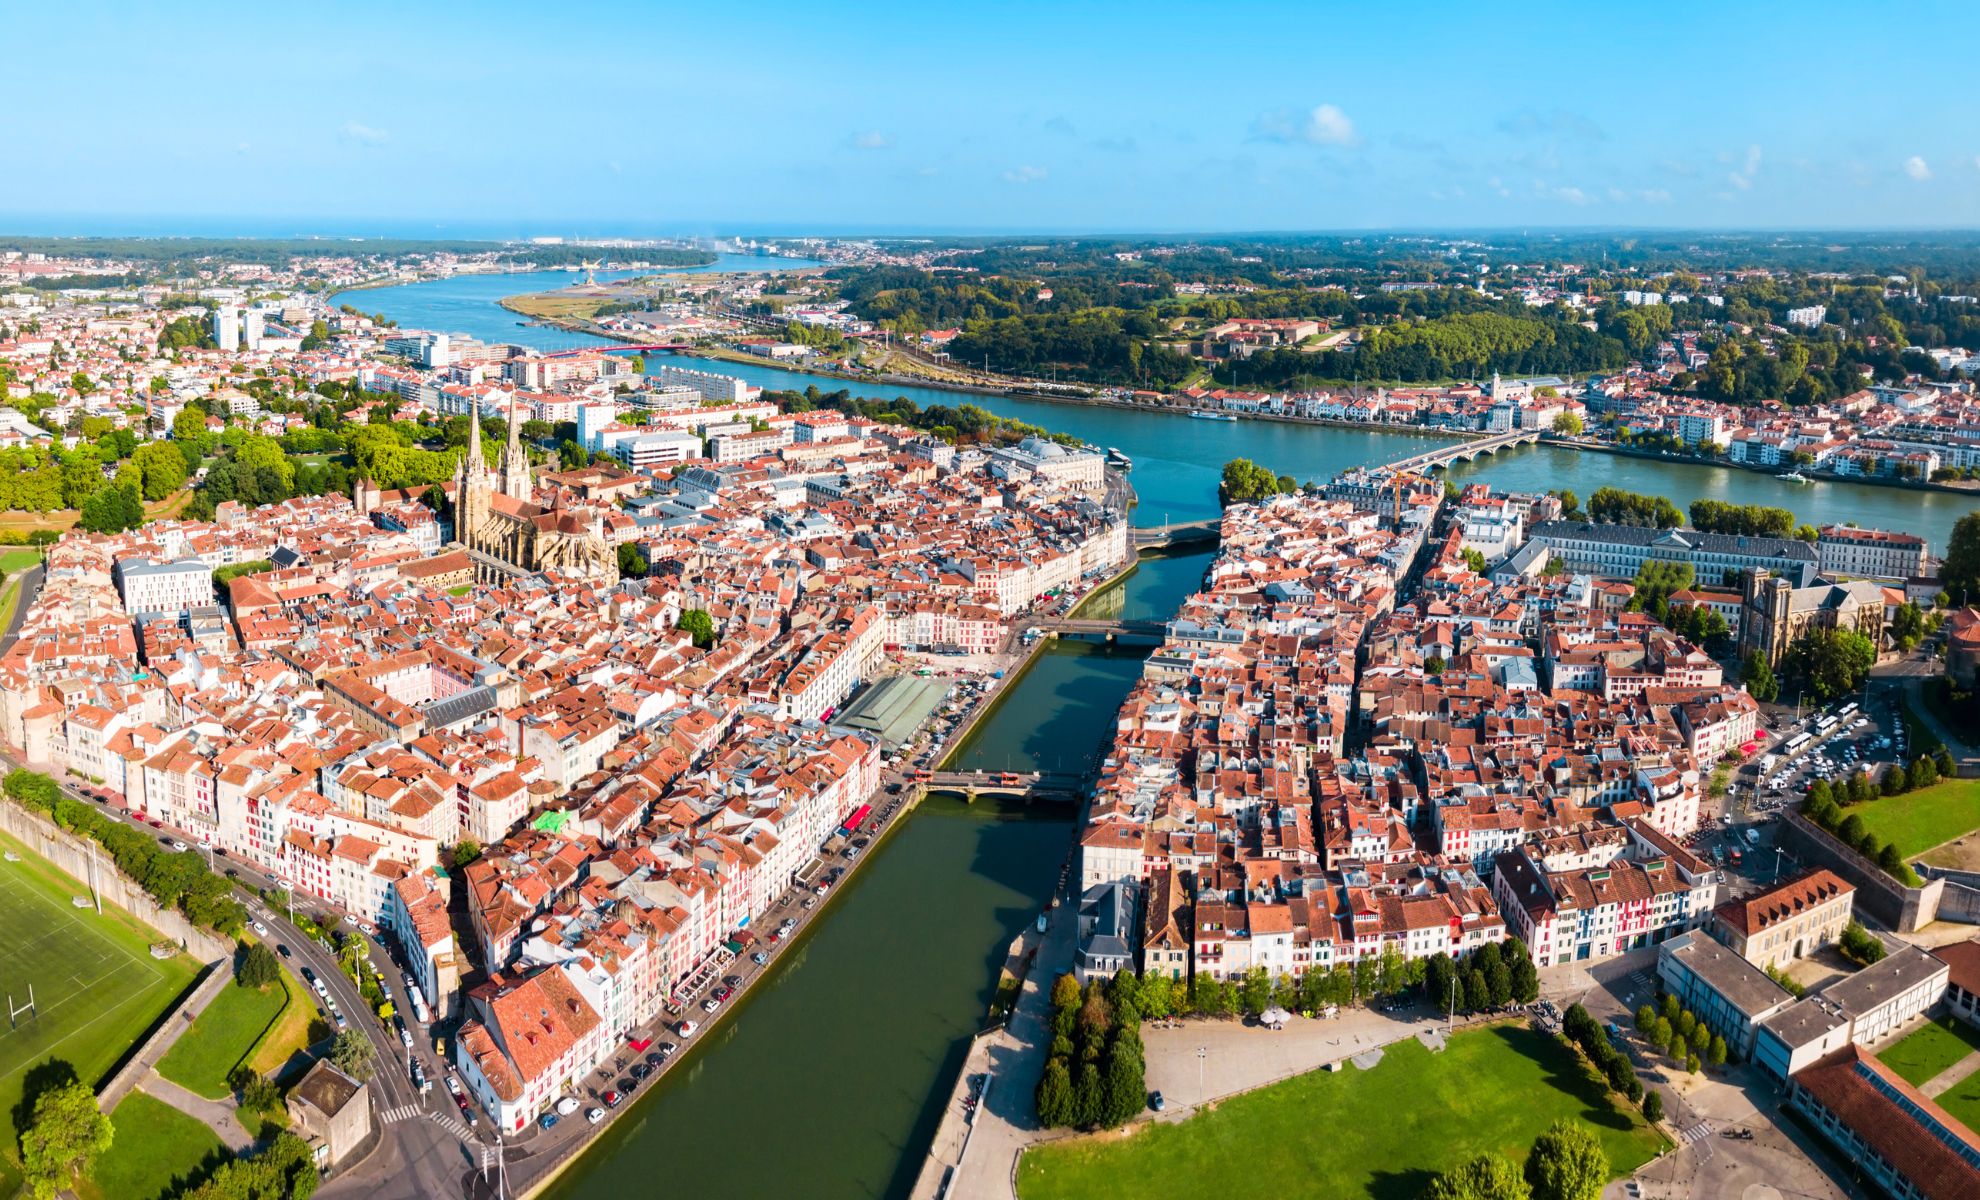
x=515 y=464
x=474 y=458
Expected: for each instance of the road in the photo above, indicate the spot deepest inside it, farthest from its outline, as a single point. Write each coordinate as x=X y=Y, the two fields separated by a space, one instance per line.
x=416 y=1158
x=30 y=587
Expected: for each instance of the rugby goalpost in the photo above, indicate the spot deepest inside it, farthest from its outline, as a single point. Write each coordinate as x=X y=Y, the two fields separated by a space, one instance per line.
x=14 y=1014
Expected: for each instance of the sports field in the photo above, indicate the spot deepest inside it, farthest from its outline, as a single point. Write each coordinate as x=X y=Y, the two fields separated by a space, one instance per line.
x=1383 y=1133
x=96 y=987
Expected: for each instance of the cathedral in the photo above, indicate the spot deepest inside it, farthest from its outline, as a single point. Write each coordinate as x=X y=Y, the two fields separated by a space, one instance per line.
x=495 y=514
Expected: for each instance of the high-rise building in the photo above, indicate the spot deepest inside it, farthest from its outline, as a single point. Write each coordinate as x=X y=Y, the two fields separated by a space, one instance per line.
x=254 y=326
x=227 y=328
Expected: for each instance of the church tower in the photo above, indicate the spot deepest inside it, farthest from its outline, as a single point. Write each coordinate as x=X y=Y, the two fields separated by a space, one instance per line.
x=516 y=482
x=471 y=488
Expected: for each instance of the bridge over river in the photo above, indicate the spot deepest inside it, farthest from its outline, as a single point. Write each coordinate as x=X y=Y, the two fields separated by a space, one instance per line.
x=1190 y=533
x=1043 y=785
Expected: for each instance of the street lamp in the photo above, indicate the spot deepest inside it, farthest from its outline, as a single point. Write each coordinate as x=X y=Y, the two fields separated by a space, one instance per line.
x=1201 y=1053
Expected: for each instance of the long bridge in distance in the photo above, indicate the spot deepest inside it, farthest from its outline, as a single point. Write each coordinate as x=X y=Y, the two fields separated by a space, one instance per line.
x=1190 y=533
x=1465 y=451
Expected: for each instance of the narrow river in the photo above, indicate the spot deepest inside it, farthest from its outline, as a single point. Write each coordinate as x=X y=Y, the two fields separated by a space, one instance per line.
x=828 y=1080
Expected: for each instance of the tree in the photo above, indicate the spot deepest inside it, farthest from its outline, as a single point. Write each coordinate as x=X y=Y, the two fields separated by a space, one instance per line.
x=696 y=623
x=1487 y=1177
x=1477 y=991
x=632 y=563
x=1525 y=981
x=466 y=851
x=1055 y=1095
x=1567 y=1163
x=256 y=967
x=1124 y=1086
x=162 y=469
x=1475 y=559
x=1859 y=944
x=1819 y=793
x=1568 y=424
x=1831 y=662
x=1924 y=773
x=1893 y=781
x=351 y=1054
x=111 y=510
x=1716 y=1052
x=1759 y=677
x=65 y=1133
x=1245 y=482
x=1653 y=1106
x=1892 y=863
x=1961 y=568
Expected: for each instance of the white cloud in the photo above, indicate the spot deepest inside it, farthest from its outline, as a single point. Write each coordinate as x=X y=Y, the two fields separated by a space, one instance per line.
x=1024 y=174
x=1328 y=126
x=1743 y=178
x=872 y=139
x=1654 y=196
x=1917 y=168
x=1573 y=195
x=1325 y=125
x=365 y=135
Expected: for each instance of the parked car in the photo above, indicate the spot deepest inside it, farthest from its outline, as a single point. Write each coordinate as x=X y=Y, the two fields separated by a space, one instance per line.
x=566 y=1105
x=258 y=927
x=594 y=1115
x=612 y=1098
x=759 y=958
x=686 y=1028
x=547 y=1121
x=1156 y=1102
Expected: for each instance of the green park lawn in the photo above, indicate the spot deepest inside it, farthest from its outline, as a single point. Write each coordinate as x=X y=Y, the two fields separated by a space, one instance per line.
x=18 y=558
x=1917 y=821
x=97 y=989
x=1962 y=1100
x=1382 y=1133
x=1930 y=1049
x=221 y=1038
x=155 y=1150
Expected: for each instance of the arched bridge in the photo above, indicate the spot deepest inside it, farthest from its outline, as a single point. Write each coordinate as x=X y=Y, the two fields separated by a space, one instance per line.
x=1132 y=633
x=1181 y=533
x=1042 y=784
x=1444 y=456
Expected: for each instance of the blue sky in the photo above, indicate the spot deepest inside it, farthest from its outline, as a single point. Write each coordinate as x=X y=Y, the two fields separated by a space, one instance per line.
x=506 y=119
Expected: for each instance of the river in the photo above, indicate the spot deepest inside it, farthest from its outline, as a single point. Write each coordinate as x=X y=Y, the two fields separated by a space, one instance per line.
x=1177 y=460
x=829 y=1079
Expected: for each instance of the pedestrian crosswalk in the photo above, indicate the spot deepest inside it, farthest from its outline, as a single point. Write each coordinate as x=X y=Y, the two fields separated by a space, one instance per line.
x=1692 y=1133
x=1639 y=978
x=447 y=1121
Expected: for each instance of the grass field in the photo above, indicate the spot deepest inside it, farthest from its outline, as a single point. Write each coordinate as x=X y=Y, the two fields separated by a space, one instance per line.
x=96 y=985
x=1962 y=1100
x=156 y=1150
x=18 y=558
x=1382 y=1133
x=220 y=1038
x=1917 y=821
x=1930 y=1049
x=289 y=1034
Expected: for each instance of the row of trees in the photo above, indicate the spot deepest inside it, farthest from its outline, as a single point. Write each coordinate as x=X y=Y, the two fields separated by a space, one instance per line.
x=1752 y=520
x=1825 y=809
x=175 y=880
x=1096 y=1075
x=1583 y=1031
x=1678 y=1032
x=1618 y=507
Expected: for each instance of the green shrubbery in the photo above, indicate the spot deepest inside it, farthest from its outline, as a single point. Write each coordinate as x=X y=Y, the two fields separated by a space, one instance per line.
x=178 y=880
